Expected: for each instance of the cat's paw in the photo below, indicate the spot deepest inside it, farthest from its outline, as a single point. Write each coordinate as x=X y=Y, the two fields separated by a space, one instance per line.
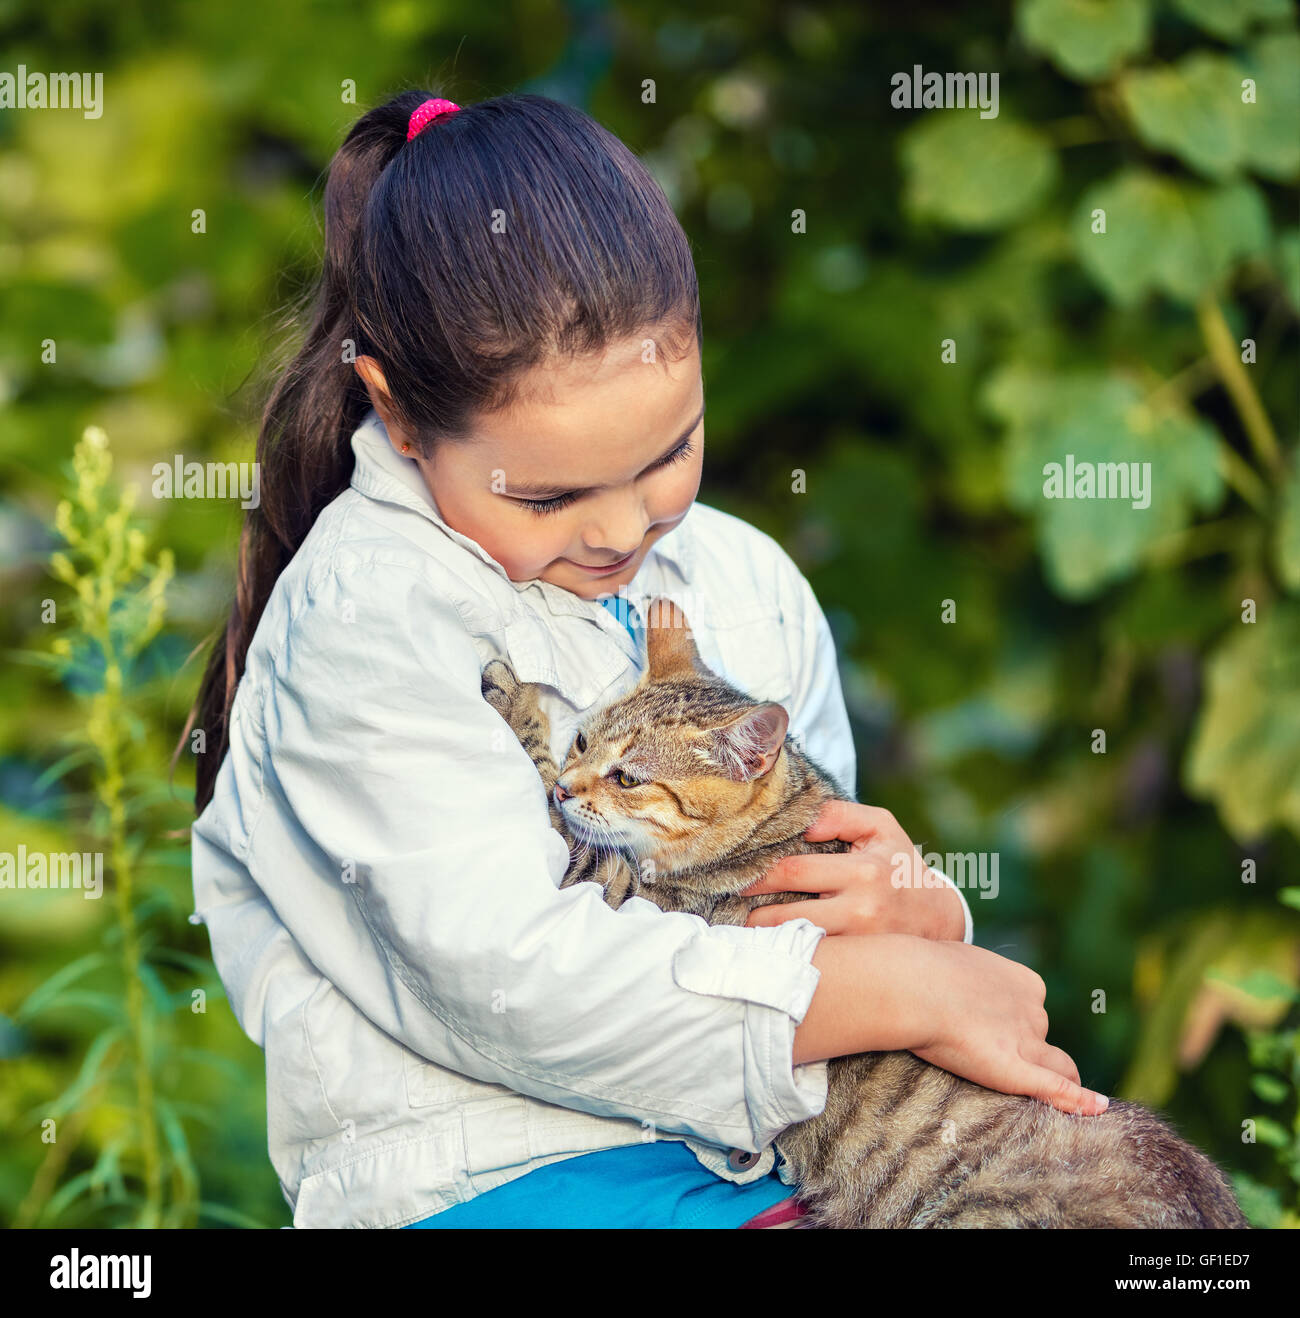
x=500 y=686
x=617 y=876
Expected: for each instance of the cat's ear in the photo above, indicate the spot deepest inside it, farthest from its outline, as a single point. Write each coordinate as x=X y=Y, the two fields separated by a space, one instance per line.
x=747 y=747
x=670 y=645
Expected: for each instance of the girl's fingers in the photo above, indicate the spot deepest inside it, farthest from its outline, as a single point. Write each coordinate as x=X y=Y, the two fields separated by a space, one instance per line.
x=824 y=914
x=1066 y=1095
x=848 y=820
x=1058 y=1060
x=824 y=871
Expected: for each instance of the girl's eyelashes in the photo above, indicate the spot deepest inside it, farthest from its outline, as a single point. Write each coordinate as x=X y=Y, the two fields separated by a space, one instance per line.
x=548 y=505
x=558 y=501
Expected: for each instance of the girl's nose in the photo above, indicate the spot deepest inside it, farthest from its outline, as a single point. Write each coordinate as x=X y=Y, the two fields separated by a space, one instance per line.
x=620 y=529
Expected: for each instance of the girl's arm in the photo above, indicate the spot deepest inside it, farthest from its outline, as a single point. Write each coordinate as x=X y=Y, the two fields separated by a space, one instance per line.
x=968 y=1010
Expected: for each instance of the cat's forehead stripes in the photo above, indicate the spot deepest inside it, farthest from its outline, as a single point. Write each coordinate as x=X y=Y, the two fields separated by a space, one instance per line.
x=655 y=731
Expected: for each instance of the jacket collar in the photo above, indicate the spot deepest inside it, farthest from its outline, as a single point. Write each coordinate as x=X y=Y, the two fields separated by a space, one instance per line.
x=380 y=472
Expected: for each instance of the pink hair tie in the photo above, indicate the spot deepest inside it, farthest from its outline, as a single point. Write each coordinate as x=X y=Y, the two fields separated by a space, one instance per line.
x=427 y=112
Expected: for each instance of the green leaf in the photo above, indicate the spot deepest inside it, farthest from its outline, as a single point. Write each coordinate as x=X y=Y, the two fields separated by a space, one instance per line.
x=41 y=996
x=971 y=173
x=230 y=1216
x=1262 y=984
x=106 y=1004
x=1175 y=237
x=88 y=1075
x=1230 y=19
x=1270 y=1132
x=1085 y=39
x=1286 y=545
x=1270 y=1088
x=174 y=1133
x=1261 y=1203
x=61 y=768
x=1084 y=418
x=67 y=1194
x=1203 y=110
x=107 y=1171
x=1192 y=109
x=1245 y=752
x=157 y=990
x=1290 y=897
x=1271 y=142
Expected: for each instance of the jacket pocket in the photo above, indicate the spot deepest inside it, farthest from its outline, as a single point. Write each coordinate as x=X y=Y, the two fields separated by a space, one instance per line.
x=390 y=1185
x=428 y=1085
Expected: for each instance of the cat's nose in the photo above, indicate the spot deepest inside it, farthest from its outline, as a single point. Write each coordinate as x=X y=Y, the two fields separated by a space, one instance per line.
x=561 y=794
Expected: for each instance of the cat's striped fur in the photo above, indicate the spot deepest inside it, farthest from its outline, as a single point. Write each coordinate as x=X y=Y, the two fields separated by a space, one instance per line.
x=721 y=792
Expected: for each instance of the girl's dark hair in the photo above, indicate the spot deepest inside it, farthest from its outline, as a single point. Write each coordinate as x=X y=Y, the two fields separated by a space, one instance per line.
x=502 y=236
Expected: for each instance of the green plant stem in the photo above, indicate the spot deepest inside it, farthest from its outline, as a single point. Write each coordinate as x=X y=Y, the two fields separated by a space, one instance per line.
x=1197 y=541
x=1242 y=477
x=110 y=793
x=1236 y=380
x=1187 y=384
x=28 y=1213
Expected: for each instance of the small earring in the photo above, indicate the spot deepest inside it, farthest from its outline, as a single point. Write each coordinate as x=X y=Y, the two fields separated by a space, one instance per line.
x=406 y=448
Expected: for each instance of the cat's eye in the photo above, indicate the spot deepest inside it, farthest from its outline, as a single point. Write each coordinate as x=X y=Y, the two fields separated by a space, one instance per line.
x=580 y=744
x=624 y=779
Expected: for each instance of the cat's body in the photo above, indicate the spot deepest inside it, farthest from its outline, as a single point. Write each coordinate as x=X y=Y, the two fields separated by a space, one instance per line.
x=723 y=793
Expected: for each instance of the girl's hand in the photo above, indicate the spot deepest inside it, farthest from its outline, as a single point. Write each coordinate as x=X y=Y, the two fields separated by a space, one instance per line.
x=880 y=886
x=990 y=1026
x=969 y=1011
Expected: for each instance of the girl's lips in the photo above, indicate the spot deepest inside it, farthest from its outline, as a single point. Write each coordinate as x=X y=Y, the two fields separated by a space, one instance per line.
x=611 y=567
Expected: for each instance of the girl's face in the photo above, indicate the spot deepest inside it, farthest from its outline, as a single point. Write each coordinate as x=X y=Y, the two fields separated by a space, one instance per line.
x=598 y=459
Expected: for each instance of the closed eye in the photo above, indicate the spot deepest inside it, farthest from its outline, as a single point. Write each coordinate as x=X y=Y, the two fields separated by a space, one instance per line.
x=558 y=501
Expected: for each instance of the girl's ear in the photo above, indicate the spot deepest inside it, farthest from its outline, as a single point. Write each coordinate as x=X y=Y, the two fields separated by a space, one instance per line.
x=372 y=376
x=747 y=747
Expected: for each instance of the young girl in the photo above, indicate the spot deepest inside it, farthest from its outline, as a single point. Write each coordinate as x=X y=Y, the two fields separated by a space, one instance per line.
x=492 y=433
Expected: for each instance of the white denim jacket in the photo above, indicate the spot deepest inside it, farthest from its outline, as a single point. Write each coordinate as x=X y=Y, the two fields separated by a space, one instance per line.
x=378 y=873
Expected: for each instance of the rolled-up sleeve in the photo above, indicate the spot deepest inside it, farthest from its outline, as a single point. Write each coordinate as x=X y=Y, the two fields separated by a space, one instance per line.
x=726 y=963
x=401 y=835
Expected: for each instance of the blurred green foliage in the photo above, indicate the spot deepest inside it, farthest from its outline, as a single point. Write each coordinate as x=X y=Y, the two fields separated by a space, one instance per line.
x=948 y=319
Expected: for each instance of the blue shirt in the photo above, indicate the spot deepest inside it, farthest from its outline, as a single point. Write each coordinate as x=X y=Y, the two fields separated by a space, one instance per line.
x=625 y=611
x=660 y=1184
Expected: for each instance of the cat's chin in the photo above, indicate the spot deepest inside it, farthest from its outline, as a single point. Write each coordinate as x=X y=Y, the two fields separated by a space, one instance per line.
x=598 y=841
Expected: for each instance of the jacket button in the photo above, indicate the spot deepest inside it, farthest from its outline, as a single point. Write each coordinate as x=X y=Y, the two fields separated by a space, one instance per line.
x=739 y=1159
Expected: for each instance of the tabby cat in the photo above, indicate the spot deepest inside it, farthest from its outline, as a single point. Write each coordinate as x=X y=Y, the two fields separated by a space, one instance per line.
x=684 y=792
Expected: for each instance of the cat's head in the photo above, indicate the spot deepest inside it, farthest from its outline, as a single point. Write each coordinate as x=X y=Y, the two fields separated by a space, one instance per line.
x=673 y=771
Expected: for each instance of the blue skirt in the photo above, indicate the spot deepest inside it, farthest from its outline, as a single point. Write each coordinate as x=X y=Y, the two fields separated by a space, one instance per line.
x=660 y=1184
